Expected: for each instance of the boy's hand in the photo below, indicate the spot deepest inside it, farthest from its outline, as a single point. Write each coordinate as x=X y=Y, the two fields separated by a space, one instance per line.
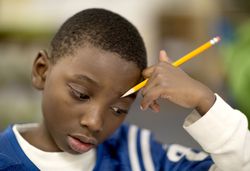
x=171 y=83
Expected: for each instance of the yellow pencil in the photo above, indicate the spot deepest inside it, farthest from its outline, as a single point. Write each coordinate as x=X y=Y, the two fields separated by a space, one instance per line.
x=177 y=63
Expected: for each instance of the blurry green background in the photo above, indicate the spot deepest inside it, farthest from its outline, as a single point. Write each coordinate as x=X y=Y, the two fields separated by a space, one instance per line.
x=178 y=26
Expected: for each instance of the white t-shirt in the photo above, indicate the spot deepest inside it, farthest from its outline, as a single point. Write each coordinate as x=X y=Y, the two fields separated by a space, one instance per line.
x=54 y=160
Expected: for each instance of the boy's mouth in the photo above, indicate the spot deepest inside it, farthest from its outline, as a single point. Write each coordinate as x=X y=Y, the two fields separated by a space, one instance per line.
x=81 y=143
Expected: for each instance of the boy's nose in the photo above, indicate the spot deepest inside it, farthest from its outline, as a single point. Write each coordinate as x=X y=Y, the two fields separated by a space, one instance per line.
x=93 y=119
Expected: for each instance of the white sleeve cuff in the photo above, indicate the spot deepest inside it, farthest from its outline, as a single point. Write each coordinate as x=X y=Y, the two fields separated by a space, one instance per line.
x=216 y=126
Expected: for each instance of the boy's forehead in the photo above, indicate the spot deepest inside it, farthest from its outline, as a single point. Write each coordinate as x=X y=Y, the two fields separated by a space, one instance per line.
x=98 y=57
x=102 y=67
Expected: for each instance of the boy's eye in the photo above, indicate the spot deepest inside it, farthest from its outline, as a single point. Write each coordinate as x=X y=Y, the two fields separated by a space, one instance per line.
x=117 y=111
x=81 y=96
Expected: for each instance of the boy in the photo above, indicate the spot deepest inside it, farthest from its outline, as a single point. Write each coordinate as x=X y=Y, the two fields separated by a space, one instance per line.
x=95 y=57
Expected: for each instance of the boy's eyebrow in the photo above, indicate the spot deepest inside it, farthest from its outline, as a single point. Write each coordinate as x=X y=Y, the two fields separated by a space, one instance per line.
x=86 y=78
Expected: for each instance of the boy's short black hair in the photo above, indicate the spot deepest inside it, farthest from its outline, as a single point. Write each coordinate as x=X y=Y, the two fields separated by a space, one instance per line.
x=102 y=29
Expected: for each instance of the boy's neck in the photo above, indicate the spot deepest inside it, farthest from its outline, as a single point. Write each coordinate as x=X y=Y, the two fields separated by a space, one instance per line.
x=40 y=138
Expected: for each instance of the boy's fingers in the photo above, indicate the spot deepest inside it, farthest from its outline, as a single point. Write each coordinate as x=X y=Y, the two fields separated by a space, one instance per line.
x=155 y=106
x=151 y=84
x=150 y=97
x=163 y=57
x=148 y=72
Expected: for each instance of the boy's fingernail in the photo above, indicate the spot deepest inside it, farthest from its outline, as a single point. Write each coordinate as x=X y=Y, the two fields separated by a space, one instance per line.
x=141 y=108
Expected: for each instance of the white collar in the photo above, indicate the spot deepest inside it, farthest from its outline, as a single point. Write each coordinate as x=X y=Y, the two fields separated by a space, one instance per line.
x=53 y=160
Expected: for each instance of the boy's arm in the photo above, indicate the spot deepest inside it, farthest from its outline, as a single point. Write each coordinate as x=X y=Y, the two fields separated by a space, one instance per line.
x=222 y=132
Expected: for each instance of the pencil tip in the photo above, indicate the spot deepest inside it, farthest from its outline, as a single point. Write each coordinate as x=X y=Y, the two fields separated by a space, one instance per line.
x=128 y=93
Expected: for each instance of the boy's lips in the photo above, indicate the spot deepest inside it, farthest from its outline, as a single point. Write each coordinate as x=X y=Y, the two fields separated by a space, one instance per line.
x=81 y=143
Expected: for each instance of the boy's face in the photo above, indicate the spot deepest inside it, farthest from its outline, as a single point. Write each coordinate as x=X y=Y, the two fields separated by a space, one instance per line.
x=81 y=97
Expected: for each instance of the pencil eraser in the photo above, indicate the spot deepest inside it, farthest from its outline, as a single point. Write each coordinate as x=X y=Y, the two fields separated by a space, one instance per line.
x=217 y=39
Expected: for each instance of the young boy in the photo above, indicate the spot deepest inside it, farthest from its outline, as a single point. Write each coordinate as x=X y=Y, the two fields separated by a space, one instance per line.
x=95 y=57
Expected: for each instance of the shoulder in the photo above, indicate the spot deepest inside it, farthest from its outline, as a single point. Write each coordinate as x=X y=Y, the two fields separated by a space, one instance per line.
x=6 y=150
x=128 y=134
x=5 y=139
x=136 y=146
x=11 y=155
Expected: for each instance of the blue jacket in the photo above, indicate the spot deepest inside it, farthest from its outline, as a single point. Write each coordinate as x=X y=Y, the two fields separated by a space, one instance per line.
x=129 y=148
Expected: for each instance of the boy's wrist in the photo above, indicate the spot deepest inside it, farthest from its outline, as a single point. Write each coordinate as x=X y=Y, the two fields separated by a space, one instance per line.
x=206 y=101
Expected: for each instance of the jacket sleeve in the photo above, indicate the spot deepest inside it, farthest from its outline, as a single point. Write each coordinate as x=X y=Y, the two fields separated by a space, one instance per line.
x=146 y=153
x=223 y=133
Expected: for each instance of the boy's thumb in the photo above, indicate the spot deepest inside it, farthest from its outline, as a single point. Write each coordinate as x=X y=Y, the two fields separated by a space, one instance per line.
x=164 y=57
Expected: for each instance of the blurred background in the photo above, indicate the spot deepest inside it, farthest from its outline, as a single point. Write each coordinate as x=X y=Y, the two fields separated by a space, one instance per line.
x=178 y=26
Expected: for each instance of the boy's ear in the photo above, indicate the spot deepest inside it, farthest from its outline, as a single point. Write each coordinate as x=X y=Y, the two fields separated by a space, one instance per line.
x=40 y=69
